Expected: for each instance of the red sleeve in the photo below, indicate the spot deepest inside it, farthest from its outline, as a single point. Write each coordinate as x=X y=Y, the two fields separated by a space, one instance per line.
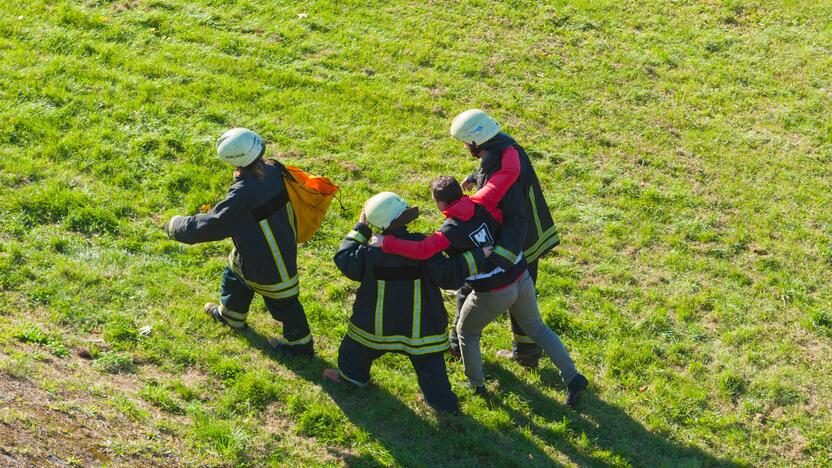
x=495 y=189
x=417 y=250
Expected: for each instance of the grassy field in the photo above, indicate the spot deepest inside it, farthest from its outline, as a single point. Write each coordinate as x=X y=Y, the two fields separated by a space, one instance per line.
x=685 y=148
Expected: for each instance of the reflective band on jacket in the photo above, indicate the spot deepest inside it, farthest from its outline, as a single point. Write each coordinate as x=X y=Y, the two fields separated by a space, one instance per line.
x=417 y=308
x=424 y=345
x=380 y=307
x=472 y=263
x=534 y=212
x=356 y=236
x=278 y=259
x=545 y=242
x=290 y=212
x=505 y=254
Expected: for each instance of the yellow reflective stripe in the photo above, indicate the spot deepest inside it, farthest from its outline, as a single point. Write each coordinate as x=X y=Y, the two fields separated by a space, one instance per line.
x=279 y=295
x=534 y=212
x=415 y=342
x=523 y=339
x=550 y=238
x=356 y=236
x=291 y=214
x=380 y=307
x=399 y=346
x=472 y=264
x=505 y=254
x=236 y=324
x=417 y=308
x=352 y=381
x=304 y=340
x=275 y=287
x=278 y=259
x=228 y=313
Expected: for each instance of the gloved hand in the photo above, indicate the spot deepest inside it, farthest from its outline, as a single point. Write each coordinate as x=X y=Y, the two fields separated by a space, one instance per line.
x=170 y=226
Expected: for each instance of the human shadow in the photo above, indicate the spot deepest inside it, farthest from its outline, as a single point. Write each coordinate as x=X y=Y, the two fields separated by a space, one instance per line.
x=411 y=439
x=608 y=427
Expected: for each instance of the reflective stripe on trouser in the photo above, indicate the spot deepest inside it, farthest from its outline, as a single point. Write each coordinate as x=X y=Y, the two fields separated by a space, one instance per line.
x=233 y=319
x=236 y=295
x=355 y=361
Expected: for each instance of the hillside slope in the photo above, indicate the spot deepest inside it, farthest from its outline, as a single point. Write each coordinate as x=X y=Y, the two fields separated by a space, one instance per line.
x=684 y=148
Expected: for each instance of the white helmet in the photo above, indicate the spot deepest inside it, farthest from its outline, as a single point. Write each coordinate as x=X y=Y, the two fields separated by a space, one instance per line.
x=474 y=127
x=240 y=147
x=387 y=209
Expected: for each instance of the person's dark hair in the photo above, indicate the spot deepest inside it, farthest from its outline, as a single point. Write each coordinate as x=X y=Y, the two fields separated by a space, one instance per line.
x=445 y=189
x=257 y=168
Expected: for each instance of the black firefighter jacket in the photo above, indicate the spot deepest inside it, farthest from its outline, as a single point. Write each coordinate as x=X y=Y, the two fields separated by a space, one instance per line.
x=398 y=306
x=258 y=217
x=527 y=223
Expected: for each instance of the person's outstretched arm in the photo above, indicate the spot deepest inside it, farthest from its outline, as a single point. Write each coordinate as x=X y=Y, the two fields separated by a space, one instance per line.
x=417 y=250
x=214 y=225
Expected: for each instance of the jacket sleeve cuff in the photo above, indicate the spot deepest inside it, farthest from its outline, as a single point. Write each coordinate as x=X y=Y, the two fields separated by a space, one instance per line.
x=503 y=257
x=360 y=233
x=475 y=259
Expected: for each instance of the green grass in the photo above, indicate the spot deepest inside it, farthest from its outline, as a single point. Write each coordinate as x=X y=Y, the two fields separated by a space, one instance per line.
x=684 y=148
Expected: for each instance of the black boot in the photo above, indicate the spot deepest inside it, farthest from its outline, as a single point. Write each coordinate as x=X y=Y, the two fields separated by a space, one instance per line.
x=573 y=391
x=303 y=350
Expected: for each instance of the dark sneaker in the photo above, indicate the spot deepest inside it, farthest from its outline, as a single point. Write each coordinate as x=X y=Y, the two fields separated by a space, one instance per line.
x=481 y=391
x=213 y=310
x=304 y=350
x=528 y=362
x=573 y=391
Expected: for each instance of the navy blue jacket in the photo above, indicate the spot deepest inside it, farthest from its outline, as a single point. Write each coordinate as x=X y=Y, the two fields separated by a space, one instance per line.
x=398 y=306
x=257 y=216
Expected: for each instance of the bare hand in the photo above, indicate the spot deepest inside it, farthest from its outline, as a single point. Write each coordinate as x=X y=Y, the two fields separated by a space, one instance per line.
x=362 y=218
x=467 y=185
x=377 y=240
x=487 y=251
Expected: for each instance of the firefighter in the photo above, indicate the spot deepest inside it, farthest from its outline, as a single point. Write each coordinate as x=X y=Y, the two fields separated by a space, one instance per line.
x=528 y=230
x=398 y=306
x=469 y=225
x=257 y=216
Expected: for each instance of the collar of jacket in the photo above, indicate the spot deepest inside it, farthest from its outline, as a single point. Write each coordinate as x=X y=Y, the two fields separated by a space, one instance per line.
x=462 y=209
x=493 y=149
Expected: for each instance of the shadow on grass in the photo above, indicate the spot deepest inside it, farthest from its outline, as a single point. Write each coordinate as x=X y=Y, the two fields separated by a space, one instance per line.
x=461 y=440
x=608 y=427
x=410 y=439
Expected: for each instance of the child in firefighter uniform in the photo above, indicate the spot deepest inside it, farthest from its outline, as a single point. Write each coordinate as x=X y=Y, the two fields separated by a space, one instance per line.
x=494 y=290
x=257 y=215
x=398 y=306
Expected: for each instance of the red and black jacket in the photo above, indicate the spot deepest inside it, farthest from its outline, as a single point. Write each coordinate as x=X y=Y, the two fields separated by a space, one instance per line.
x=528 y=227
x=467 y=226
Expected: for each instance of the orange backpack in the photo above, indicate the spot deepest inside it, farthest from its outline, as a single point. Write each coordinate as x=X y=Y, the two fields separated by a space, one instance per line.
x=310 y=197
